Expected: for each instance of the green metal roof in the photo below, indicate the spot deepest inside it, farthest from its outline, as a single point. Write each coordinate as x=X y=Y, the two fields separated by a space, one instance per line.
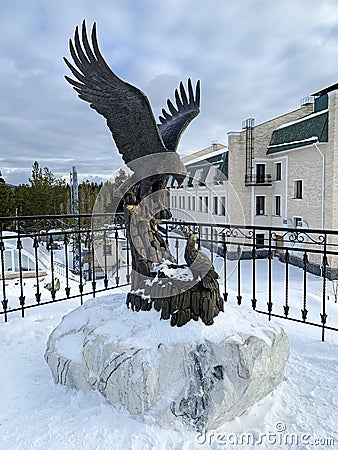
x=219 y=161
x=300 y=133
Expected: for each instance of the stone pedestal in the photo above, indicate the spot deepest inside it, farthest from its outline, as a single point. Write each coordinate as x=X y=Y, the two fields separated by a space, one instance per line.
x=202 y=376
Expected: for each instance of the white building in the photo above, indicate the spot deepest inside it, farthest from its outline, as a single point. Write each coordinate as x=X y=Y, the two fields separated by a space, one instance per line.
x=203 y=197
x=282 y=172
x=28 y=260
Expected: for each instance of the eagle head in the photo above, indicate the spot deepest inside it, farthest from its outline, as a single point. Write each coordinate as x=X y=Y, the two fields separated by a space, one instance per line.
x=191 y=240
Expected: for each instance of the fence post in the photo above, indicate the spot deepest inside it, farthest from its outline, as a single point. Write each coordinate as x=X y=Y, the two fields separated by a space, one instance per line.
x=254 y=300
x=117 y=278
x=105 y=259
x=225 y=250
x=36 y=246
x=19 y=248
x=270 y=276
x=239 y=297
x=286 y=306
x=79 y=247
x=93 y=267
x=65 y=241
x=211 y=243
x=128 y=259
x=177 y=246
x=51 y=242
x=305 y=263
x=323 y=315
x=4 y=298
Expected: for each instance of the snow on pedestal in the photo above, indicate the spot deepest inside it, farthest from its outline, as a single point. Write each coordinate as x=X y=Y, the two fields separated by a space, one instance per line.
x=203 y=376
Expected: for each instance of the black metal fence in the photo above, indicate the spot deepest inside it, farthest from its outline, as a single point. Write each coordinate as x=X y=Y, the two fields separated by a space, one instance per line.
x=46 y=259
x=280 y=272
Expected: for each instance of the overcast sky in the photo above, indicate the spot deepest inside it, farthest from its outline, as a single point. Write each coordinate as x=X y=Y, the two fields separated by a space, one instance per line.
x=255 y=58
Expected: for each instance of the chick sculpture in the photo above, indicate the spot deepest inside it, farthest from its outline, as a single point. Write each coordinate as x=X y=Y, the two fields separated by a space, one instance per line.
x=199 y=264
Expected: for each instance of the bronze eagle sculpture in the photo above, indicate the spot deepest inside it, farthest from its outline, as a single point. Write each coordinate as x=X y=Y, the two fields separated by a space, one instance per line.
x=129 y=115
x=149 y=150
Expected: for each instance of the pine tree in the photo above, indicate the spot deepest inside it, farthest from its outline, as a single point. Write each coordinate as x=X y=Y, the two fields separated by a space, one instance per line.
x=111 y=203
x=7 y=207
x=47 y=194
x=88 y=193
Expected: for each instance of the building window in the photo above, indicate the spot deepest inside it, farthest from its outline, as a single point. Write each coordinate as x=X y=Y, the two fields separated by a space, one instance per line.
x=260 y=173
x=193 y=203
x=298 y=188
x=107 y=250
x=11 y=261
x=206 y=204
x=297 y=221
x=278 y=171
x=215 y=205
x=259 y=240
x=8 y=260
x=200 y=203
x=260 y=205
x=223 y=210
x=277 y=205
x=16 y=261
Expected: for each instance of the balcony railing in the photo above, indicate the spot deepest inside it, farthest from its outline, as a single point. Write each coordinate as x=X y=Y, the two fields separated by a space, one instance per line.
x=258 y=180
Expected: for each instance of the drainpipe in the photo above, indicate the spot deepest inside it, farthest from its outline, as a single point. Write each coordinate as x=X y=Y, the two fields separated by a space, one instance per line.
x=323 y=182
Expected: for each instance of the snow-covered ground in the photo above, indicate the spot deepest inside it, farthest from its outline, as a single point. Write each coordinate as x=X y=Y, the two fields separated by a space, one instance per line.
x=301 y=413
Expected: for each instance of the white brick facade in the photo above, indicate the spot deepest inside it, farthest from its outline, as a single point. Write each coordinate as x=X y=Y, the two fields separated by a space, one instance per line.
x=308 y=170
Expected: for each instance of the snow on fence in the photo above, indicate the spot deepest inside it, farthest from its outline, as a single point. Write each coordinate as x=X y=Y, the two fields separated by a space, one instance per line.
x=288 y=273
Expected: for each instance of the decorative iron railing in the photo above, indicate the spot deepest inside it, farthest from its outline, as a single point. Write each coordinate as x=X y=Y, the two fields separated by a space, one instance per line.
x=253 y=180
x=280 y=272
x=46 y=259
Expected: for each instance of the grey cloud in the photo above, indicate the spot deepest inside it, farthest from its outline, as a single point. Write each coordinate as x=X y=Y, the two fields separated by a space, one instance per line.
x=255 y=59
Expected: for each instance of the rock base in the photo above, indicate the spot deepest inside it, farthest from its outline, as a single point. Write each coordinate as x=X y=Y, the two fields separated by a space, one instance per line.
x=201 y=376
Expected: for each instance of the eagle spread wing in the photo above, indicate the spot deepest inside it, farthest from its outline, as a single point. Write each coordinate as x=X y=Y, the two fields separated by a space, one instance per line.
x=126 y=108
x=173 y=125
